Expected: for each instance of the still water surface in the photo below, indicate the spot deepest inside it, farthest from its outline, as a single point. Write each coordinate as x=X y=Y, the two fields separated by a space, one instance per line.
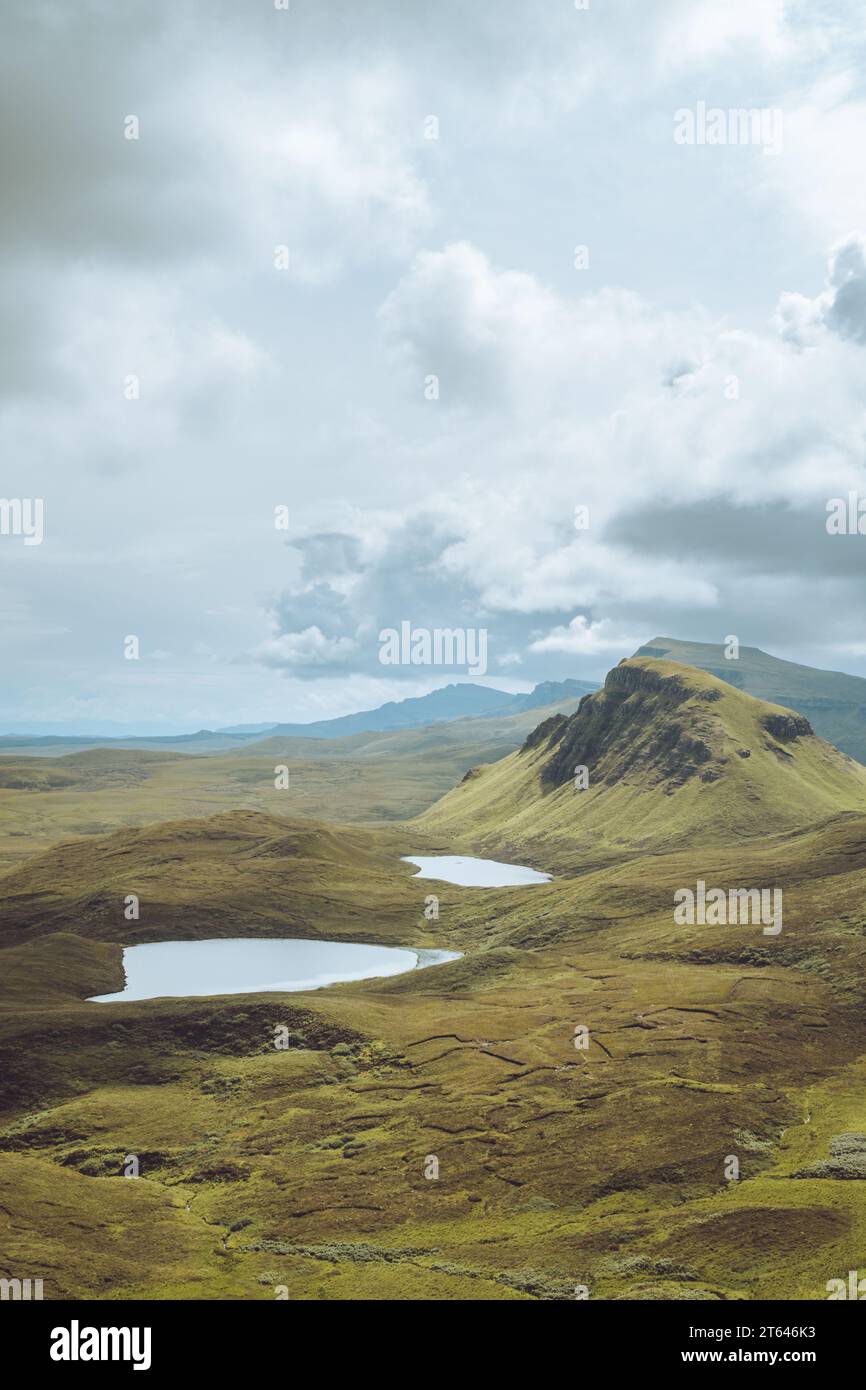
x=245 y=966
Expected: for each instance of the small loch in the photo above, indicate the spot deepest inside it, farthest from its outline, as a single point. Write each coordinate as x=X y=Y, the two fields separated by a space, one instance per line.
x=242 y=965
x=474 y=873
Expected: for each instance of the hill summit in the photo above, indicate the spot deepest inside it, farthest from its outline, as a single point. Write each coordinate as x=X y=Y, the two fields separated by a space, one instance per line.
x=663 y=756
x=832 y=701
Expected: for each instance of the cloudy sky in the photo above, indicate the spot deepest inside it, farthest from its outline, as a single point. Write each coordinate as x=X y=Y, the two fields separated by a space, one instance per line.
x=329 y=206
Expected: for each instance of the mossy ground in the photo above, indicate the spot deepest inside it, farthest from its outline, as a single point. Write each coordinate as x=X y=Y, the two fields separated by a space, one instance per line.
x=558 y=1166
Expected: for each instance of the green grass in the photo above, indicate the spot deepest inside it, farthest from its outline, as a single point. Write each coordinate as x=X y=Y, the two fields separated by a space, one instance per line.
x=558 y=1166
x=368 y=777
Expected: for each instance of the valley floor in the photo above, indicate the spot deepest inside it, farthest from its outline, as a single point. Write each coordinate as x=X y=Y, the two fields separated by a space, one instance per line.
x=560 y=1167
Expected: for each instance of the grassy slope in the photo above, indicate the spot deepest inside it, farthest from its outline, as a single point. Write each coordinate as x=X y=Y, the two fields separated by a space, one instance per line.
x=557 y=1166
x=833 y=701
x=290 y=876
x=369 y=777
x=674 y=774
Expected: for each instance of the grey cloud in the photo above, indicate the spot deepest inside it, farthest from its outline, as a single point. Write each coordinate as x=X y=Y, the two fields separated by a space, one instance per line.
x=846 y=312
x=409 y=580
x=841 y=307
x=328 y=553
x=75 y=186
x=768 y=540
x=319 y=605
x=306 y=128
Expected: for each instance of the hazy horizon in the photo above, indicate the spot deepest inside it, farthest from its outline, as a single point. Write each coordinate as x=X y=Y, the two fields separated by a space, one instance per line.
x=149 y=728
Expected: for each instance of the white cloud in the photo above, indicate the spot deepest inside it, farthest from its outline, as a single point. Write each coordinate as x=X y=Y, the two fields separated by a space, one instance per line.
x=692 y=31
x=333 y=172
x=501 y=338
x=817 y=176
x=841 y=307
x=609 y=400
x=307 y=648
x=583 y=638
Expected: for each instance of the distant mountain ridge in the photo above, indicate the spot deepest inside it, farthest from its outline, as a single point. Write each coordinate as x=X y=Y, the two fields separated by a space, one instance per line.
x=456 y=701
x=549 y=693
x=832 y=701
x=464 y=701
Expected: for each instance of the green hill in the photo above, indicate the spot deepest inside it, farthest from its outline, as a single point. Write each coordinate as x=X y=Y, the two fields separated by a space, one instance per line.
x=674 y=756
x=832 y=701
x=290 y=876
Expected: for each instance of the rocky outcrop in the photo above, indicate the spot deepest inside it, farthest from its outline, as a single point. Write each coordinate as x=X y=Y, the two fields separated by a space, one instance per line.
x=631 y=721
x=787 y=727
x=545 y=732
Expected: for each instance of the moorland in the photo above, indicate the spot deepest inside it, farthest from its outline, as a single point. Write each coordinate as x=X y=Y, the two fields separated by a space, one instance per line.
x=618 y=1104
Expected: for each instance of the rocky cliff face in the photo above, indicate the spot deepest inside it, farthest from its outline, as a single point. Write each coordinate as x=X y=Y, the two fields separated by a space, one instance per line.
x=633 y=722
